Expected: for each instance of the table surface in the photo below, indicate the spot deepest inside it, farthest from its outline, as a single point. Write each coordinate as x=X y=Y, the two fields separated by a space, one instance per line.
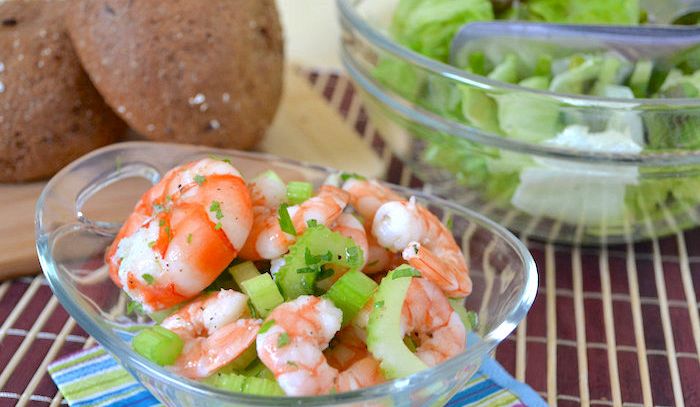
x=609 y=326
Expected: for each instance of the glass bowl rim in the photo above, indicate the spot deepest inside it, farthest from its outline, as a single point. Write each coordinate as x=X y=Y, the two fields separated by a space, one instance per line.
x=411 y=111
x=438 y=67
x=117 y=347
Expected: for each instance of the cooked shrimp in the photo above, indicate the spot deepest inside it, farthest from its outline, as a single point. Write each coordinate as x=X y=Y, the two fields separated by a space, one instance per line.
x=425 y=243
x=267 y=192
x=366 y=197
x=427 y=313
x=183 y=233
x=292 y=347
x=268 y=241
x=363 y=373
x=346 y=348
x=212 y=331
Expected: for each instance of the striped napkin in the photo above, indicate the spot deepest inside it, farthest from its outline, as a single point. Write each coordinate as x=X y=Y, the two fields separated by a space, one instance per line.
x=94 y=378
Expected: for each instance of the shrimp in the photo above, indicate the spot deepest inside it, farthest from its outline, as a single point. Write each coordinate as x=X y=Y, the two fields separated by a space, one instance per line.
x=425 y=243
x=366 y=197
x=363 y=373
x=268 y=241
x=292 y=347
x=267 y=192
x=346 y=348
x=182 y=234
x=427 y=313
x=212 y=331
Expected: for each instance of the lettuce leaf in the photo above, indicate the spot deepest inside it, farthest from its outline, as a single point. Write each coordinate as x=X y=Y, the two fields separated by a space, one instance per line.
x=428 y=26
x=585 y=11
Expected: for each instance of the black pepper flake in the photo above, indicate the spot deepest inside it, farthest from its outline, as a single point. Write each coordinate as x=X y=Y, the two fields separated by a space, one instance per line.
x=109 y=9
x=9 y=22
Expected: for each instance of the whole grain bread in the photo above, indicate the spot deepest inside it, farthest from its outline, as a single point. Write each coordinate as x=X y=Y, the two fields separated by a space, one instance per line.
x=50 y=114
x=204 y=72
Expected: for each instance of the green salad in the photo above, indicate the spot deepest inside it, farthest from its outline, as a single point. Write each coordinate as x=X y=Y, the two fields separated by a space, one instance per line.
x=618 y=195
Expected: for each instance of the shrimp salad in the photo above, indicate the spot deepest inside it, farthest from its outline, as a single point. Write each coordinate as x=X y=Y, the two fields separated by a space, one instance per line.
x=273 y=288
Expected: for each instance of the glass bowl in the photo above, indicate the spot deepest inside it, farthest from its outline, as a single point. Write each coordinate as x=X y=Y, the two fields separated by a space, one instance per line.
x=79 y=212
x=487 y=144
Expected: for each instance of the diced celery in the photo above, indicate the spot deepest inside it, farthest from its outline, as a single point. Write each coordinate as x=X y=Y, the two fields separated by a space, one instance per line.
x=317 y=247
x=241 y=384
x=468 y=318
x=350 y=293
x=384 y=339
x=298 y=192
x=243 y=360
x=243 y=271
x=263 y=293
x=158 y=344
x=258 y=369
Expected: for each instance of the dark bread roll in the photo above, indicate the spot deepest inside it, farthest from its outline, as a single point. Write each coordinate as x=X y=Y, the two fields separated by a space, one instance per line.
x=50 y=114
x=205 y=72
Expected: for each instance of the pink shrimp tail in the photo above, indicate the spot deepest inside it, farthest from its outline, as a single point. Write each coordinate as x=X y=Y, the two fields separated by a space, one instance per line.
x=440 y=270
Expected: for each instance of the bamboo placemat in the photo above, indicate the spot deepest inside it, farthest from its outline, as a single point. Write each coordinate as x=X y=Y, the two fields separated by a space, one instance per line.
x=615 y=326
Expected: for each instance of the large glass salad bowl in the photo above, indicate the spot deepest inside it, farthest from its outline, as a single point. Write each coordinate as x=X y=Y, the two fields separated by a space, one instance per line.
x=595 y=168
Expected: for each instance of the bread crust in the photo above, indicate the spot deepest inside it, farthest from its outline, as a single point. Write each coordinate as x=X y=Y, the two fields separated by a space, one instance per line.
x=205 y=72
x=50 y=114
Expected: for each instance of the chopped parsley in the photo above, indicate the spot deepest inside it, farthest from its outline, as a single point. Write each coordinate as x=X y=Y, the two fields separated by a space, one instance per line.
x=199 y=179
x=161 y=222
x=158 y=208
x=449 y=223
x=378 y=304
x=285 y=220
x=266 y=326
x=283 y=340
x=216 y=208
x=325 y=273
x=152 y=244
x=134 y=307
x=189 y=238
x=217 y=226
x=311 y=223
x=351 y=175
x=148 y=278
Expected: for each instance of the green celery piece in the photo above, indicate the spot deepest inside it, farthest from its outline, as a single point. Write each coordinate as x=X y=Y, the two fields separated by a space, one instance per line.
x=507 y=70
x=263 y=293
x=384 y=339
x=573 y=81
x=641 y=76
x=158 y=344
x=350 y=293
x=296 y=276
x=243 y=384
x=468 y=318
x=428 y=26
x=543 y=66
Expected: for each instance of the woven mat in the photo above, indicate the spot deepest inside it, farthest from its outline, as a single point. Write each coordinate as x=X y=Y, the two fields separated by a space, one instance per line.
x=609 y=327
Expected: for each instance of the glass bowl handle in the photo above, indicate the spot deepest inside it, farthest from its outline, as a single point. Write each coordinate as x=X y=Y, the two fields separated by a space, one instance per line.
x=131 y=170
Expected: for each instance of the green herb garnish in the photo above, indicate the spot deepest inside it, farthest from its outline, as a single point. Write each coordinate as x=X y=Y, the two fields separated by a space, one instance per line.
x=283 y=339
x=266 y=326
x=285 y=220
x=148 y=278
x=199 y=179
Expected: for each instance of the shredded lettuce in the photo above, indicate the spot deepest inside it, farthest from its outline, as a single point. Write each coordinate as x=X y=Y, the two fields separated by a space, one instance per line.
x=584 y=11
x=427 y=26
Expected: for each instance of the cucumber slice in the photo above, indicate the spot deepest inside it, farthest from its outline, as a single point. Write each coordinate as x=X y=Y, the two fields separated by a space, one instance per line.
x=384 y=339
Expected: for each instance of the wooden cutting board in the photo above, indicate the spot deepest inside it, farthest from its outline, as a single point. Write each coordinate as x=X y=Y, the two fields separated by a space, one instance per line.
x=306 y=128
